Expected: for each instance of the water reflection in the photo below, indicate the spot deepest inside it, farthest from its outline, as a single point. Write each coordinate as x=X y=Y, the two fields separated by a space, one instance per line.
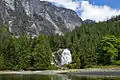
x=60 y=77
x=53 y=77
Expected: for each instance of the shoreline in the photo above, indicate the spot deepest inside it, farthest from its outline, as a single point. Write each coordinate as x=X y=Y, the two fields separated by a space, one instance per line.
x=72 y=72
x=43 y=72
x=97 y=72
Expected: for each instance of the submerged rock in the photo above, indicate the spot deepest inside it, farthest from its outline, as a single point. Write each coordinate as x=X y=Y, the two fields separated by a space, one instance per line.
x=62 y=56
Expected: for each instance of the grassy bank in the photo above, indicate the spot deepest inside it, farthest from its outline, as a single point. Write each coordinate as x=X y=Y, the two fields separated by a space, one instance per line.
x=112 y=67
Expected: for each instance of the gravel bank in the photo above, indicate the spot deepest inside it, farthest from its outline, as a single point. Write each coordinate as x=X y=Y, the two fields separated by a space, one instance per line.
x=44 y=72
x=75 y=72
x=96 y=72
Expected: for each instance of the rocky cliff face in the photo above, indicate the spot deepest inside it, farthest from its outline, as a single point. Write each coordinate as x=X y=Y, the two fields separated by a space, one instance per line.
x=35 y=17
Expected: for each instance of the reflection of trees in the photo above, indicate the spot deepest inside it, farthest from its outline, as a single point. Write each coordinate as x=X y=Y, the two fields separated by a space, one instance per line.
x=54 y=77
x=60 y=77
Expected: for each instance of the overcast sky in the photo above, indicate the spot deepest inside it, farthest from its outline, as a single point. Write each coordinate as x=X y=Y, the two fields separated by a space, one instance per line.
x=98 y=10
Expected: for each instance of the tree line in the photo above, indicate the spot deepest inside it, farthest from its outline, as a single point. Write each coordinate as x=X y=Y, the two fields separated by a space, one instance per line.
x=90 y=44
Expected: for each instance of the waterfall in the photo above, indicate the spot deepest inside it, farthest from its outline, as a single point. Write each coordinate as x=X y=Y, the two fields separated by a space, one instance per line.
x=61 y=57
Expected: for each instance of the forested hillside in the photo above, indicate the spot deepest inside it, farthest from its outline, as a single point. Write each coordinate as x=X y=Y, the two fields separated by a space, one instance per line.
x=90 y=44
x=85 y=40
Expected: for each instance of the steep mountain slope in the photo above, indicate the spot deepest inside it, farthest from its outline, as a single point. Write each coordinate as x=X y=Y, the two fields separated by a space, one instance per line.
x=35 y=17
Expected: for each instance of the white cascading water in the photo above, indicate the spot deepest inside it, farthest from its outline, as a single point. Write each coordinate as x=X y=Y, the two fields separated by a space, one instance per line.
x=66 y=57
x=62 y=56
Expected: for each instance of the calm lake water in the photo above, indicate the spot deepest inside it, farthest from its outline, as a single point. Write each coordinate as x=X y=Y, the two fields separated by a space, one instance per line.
x=53 y=77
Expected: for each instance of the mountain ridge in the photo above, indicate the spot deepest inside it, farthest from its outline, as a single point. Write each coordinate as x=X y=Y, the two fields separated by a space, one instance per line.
x=33 y=17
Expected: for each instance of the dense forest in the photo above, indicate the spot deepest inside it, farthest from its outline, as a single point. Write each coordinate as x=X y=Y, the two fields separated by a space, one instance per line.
x=90 y=44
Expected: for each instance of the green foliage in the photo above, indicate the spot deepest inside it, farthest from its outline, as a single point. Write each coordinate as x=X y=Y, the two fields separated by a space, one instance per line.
x=69 y=66
x=88 y=44
x=2 y=64
x=42 y=53
x=3 y=28
x=25 y=53
x=108 y=50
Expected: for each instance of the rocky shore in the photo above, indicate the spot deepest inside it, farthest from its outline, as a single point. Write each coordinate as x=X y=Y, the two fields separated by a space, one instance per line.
x=74 y=72
x=44 y=72
x=96 y=72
